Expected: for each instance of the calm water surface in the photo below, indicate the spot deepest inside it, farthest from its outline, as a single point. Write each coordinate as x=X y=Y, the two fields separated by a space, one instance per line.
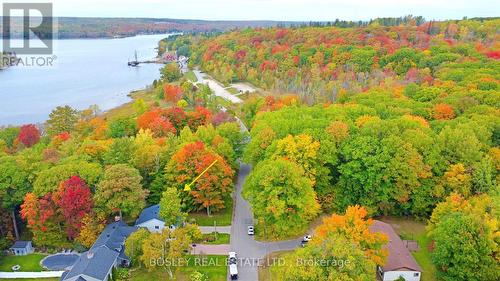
x=87 y=71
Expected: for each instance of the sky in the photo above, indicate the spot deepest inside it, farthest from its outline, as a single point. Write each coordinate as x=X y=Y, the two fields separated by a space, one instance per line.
x=279 y=10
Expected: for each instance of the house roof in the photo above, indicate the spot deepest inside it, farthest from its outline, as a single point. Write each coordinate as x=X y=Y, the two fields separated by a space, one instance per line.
x=100 y=258
x=399 y=258
x=148 y=214
x=95 y=263
x=113 y=236
x=20 y=244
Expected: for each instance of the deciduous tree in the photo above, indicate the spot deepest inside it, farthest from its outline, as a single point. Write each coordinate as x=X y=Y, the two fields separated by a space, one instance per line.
x=282 y=197
x=121 y=191
x=28 y=135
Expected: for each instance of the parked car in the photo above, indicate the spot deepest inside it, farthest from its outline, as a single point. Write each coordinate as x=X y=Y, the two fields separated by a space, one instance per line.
x=233 y=268
x=233 y=271
x=233 y=259
x=250 y=230
x=307 y=238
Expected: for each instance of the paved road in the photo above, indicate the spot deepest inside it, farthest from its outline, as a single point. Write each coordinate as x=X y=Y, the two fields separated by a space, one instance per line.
x=250 y=252
x=218 y=89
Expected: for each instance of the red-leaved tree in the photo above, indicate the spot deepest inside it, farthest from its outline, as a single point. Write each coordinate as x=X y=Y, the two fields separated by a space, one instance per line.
x=28 y=135
x=75 y=201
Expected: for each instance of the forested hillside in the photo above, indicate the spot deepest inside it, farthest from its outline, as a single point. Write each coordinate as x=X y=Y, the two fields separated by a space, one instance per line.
x=324 y=64
x=402 y=120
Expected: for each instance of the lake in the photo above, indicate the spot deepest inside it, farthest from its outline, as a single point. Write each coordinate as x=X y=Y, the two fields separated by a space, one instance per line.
x=86 y=72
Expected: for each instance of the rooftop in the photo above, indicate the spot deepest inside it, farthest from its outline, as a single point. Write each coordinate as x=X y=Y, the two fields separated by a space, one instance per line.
x=399 y=257
x=20 y=244
x=149 y=213
x=97 y=262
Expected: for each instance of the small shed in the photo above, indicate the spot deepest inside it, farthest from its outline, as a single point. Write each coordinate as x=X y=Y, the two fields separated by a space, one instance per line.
x=22 y=248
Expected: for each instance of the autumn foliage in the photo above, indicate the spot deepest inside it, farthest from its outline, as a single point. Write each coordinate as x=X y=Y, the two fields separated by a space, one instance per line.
x=75 y=201
x=156 y=122
x=355 y=226
x=28 y=135
x=443 y=112
x=212 y=188
x=172 y=93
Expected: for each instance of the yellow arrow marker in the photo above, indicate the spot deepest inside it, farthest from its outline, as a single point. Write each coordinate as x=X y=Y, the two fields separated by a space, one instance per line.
x=187 y=187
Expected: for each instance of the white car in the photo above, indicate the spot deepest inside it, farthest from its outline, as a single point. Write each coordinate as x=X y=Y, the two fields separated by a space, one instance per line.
x=233 y=271
x=250 y=230
x=232 y=258
x=307 y=238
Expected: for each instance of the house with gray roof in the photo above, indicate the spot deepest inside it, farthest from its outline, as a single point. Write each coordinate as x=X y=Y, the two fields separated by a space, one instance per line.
x=22 y=248
x=108 y=252
x=150 y=219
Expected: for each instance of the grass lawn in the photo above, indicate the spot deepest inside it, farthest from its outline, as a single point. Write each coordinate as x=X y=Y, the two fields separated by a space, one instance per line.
x=214 y=266
x=127 y=109
x=410 y=229
x=191 y=76
x=29 y=262
x=265 y=272
x=223 y=218
x=232 y=90
x=210 y=238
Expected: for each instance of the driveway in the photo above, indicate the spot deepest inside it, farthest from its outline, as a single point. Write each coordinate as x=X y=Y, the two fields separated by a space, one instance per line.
x=219 y=229
x=218 y=89
x=204 y=249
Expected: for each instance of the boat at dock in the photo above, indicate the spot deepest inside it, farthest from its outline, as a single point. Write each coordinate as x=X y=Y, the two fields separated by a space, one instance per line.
x=135 y=62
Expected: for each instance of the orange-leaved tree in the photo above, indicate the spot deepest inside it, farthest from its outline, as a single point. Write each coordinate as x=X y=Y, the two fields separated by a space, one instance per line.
x=211 y=189
x=354 y=226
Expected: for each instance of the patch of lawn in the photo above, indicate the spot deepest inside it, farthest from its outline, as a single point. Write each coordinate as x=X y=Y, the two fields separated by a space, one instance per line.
x=409 y=229
x=232 y=90
x=266 y=273
x=213 y=239
x=29 y=262
x=213 y=266
x=223 y=218
x=191 y=76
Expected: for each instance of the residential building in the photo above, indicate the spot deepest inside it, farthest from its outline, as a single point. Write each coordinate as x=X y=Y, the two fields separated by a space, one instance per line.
x=108 y=252
x=400 y=262
x=22 y=248
x=150 y=219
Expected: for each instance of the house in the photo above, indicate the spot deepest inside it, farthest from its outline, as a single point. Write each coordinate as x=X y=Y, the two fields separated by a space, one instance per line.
x=22 y=248
x=108 y=252
x=150 y=219
x=400 y=262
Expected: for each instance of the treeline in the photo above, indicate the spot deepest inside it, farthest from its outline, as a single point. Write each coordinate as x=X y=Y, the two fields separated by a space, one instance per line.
x=71 y=27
